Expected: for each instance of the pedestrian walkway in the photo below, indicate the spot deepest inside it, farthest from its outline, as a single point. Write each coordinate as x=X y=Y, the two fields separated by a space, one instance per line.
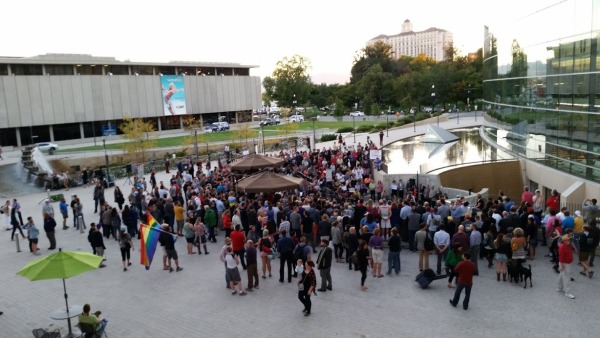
x=195 y=303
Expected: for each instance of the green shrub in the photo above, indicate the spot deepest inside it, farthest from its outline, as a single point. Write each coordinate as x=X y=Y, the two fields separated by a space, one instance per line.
x=345 y=130
x=328 y=137
x=422 y=116
x=181 y=153
x=364 y=128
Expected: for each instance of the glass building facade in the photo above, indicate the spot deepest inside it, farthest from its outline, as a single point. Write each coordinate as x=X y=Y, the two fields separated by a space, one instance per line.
x=541 y=86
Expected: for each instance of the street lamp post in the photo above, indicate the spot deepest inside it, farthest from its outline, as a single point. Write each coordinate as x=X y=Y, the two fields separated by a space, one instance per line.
x=354 y=127
x=468 y=103
x=387 y=122
x=294 y=103
x=433 y=103
x=196 y=142
x=314 y=133
x=106 y=160
x=262 y=131
x=469 y=98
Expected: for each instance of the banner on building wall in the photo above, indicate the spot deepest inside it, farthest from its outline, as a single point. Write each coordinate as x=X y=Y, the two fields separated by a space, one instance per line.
x=173 y=95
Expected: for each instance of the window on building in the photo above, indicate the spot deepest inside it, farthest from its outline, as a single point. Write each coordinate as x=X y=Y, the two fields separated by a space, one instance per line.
x=92 y=129
x=116 y=70
x=170 y=122
x=3 y=69
x=142 y=70
x=88 y=69
x=59 y=69
x=186 y=70
x=224 y=71
x=21 y=69
x=67 y=131
x=165 y=70
x=37 y=134
x=242 y=71
x=8 y=137
x=206 y=71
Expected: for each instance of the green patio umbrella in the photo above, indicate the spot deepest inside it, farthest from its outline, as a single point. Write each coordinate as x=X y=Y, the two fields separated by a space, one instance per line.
x=61 y=265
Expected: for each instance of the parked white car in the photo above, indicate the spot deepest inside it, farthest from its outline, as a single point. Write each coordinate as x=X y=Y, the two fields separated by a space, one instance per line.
x=357 y=113
x=47 y=146
x=219 y=126
x=296 y=118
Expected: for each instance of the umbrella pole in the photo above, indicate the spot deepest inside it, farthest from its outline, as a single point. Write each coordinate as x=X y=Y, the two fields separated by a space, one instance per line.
x=67 y=303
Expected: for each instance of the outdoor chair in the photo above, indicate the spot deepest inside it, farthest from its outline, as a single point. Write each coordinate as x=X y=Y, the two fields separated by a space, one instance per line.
x=41 y=333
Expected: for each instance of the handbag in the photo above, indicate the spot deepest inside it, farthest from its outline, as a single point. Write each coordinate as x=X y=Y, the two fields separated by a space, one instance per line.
x=266 y=249
x=354 y=258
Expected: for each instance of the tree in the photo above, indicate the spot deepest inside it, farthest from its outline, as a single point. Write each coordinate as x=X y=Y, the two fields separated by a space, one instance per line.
x=140 y=136
x=376 y=87
x=289 y=78
x=245 y=132
x=288 y=128
x=378 y=53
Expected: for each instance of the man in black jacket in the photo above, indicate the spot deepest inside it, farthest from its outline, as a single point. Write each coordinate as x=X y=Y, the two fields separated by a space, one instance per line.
x=324 y=265
x=285 y=247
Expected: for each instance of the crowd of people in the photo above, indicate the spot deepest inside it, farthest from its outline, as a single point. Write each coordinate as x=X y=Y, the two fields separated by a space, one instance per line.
x=340 y=214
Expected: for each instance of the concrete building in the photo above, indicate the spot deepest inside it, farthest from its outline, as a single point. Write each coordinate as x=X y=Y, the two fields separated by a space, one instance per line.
x=431 y=42
x=60 y=97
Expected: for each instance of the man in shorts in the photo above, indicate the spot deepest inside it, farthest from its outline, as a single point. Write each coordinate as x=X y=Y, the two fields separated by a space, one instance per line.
x=168 y=241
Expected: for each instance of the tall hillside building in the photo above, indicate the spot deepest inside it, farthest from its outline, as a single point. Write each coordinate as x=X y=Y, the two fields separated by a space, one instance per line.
x=431 y=42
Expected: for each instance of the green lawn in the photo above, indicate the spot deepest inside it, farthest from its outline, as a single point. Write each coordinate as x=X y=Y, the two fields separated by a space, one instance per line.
x=233 y=135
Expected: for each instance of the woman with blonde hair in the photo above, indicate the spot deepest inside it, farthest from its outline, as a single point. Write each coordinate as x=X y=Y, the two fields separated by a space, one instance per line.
x=517 y=244
x=266 y=248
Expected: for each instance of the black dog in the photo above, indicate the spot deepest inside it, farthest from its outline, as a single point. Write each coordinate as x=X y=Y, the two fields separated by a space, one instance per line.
x=512 y=268
x=525 y=274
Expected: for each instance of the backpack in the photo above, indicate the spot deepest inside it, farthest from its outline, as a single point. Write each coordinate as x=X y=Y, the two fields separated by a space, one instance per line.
x=437 y=220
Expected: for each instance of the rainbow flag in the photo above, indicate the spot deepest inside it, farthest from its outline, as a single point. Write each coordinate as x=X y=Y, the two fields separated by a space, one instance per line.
x=149 y=234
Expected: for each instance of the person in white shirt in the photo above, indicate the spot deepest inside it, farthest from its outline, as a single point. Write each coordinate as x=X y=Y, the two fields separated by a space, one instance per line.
x=497 y=217
x=48 y=208
x=433 y=221
x=233 y=273
x=385 y=212
x=394 y=190
x=441 y=239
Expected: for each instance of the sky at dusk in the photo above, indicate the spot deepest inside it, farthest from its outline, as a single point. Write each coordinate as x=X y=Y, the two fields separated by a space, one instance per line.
x=328 y=32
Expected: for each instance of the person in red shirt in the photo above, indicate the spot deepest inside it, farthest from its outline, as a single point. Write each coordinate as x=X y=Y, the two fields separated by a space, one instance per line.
x=465 y=271
x=553 y=201
x=238 y=239
x=226 y=219
x=527 y=196
x=565 y=258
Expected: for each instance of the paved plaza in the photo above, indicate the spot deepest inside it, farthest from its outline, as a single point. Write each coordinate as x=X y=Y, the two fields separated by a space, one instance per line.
x=195 y=302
